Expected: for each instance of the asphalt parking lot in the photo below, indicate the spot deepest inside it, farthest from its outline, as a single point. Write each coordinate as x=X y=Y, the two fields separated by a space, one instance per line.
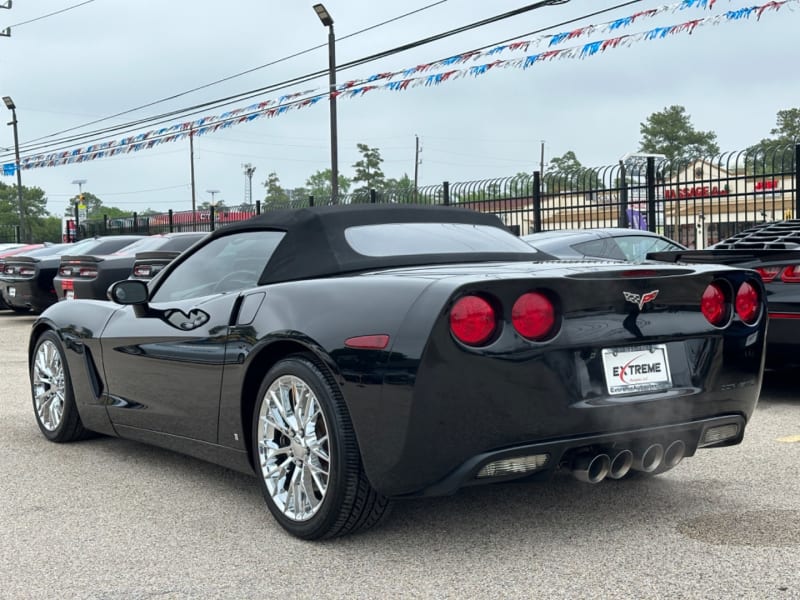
x=108 y=518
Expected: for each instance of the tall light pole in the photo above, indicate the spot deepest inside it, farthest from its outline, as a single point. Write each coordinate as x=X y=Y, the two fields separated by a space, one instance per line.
x=13 y=108
x=327 y=21
x=213 y=193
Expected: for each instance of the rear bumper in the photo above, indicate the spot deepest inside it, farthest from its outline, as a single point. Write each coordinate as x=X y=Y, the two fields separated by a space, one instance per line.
x=560 y=452
x=434 y=433
x=28 y=294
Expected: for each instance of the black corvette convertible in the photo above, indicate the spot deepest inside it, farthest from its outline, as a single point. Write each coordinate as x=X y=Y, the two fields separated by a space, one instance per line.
x=350 y=355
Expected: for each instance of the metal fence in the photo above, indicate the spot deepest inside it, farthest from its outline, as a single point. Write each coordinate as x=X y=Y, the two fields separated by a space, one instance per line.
x=695 y=202
x=9 y=234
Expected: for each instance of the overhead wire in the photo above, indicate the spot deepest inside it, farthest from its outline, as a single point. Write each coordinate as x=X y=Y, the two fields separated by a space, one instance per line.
x=30 y=146
x=58 y=12
x=196 y=109
x=242 y=73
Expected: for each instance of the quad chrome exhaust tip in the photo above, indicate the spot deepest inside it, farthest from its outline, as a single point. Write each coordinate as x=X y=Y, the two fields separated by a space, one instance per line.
x=649 y=458
x=621 y=464
x=674 y=453
x=591 y=468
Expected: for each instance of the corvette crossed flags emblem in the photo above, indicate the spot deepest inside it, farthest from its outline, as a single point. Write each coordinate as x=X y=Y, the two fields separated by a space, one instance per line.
x=640 y=300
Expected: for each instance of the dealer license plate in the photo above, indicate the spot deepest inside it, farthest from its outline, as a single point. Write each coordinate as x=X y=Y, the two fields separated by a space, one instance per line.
x=69 y=294
x=639 y=369
x=12 y=292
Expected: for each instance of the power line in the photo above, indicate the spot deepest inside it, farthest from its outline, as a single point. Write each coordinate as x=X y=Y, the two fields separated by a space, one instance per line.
x=165 y=117
x=275 y=87
x=58 y=12
x=241 y=73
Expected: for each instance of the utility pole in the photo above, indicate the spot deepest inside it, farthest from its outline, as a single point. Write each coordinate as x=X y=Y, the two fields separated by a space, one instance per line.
x=541 y=160
x=416 y=167
x=191 y=163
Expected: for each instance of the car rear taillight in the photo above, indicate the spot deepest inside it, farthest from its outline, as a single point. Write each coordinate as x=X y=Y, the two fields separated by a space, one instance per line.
x=87 y=272
x=768 y=273
x=143 y=271
x=26 y=271
x=473 y=320
x=534 y=316
x=747 y=303
x=791 y=274
x=65 y=271
x=714 y=305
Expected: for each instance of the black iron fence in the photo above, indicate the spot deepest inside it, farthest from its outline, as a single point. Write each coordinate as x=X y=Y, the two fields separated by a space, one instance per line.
x=695 y=202
x=9 y=234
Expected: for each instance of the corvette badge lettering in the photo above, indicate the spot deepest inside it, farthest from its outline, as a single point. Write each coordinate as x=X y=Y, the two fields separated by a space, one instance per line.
x=640 y=300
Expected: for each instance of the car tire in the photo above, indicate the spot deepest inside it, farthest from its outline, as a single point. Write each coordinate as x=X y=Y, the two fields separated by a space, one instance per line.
x=51 y=388
x=21 y=310
x=306 y=455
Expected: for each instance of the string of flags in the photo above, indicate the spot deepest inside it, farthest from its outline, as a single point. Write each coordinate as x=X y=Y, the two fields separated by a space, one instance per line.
x=415 y=77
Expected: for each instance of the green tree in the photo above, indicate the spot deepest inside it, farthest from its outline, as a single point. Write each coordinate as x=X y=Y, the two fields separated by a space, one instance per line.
x=319 y=185
x=95 y=209
x=34 y=210
x=671 y=133
x=46 y=229
x=219 y=205
x=566 y=173
x=275 y=195
x=775 y=155
x=368 y=170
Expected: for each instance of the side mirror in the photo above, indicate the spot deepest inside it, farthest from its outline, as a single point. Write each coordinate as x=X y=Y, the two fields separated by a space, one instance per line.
x=128 y=291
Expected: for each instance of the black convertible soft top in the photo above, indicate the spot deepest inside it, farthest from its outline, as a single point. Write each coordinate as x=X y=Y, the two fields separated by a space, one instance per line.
x=315 y=244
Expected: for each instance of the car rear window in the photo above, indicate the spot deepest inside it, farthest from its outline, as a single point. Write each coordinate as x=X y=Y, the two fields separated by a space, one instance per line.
x=409 y=239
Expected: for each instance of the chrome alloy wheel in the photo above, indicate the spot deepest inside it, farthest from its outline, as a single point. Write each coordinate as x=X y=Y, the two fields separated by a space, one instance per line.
x=294 y=448
x=49 y=387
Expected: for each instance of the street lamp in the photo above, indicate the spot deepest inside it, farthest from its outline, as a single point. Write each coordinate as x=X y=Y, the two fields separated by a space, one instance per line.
x=13 y=108
x=213 y=193
x=327 y=21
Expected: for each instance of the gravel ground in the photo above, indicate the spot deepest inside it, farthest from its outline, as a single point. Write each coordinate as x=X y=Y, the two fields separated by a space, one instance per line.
x=108 y=518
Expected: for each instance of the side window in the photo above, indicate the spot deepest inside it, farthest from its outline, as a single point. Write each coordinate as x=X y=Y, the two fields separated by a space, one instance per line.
x=603 y=248
x=228 y=264
x=636 y=247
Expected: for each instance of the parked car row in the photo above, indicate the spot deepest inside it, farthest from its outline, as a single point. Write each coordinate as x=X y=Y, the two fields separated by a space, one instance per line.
x=34 y=278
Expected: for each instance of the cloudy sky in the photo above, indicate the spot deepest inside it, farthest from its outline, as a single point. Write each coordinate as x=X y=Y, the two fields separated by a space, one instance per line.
x=107 y=56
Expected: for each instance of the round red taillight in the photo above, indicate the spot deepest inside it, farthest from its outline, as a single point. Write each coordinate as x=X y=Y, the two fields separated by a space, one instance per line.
x=747 y=305
x=533 y=316
x=713 y=305
x=472 y=320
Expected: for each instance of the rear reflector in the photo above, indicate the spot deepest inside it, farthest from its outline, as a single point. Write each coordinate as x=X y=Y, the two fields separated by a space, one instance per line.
x=472 y=320
x=714 y=435
x=368 y=342
x=514 y=466
x=66 y=284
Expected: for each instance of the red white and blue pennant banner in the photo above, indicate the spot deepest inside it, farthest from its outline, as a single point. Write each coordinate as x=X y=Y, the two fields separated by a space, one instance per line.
x=419 y=76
